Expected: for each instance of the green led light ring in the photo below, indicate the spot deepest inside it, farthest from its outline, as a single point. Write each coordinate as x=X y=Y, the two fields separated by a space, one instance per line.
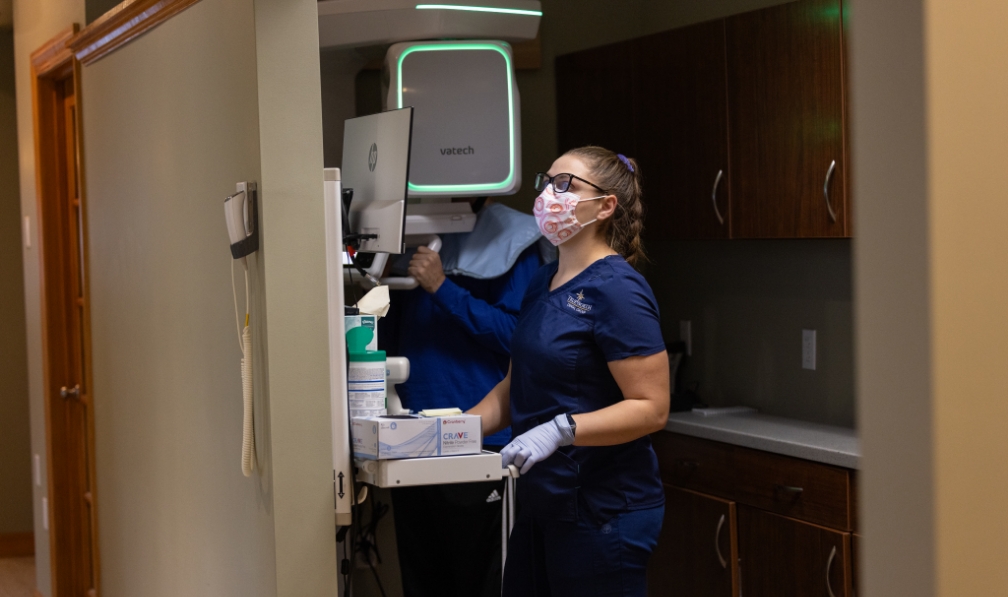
x=507 y=11
x=507 y=62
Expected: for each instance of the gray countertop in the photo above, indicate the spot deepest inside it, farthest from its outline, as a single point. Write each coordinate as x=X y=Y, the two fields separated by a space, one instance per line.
x=838 y=446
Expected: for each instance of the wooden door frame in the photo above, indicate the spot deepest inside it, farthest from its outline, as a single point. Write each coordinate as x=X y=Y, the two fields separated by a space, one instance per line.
x=51 y=65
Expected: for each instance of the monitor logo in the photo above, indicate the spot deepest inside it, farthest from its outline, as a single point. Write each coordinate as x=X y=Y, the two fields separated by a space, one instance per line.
x=372 y=158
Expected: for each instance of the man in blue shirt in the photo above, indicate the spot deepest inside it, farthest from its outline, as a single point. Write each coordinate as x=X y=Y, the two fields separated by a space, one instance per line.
x=456 y=329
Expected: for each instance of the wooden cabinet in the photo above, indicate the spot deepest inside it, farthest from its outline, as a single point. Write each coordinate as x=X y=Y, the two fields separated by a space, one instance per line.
x=786 y=116
x=697 y=549
x=787 y=523
x=759 y=97
x=781 y=557
x=680 y=102
x=801 y=489
x=594 y=93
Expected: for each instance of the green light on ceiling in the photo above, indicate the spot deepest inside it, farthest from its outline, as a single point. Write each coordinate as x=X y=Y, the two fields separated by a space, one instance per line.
x=507 y=11
x=493 y=186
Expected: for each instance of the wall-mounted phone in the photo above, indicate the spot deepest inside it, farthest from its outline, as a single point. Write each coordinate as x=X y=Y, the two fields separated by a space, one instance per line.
x=241 y=212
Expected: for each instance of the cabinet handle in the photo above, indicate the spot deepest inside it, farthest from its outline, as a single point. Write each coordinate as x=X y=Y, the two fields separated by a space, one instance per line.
x=825 y=190
x=713 y=196
x=829 y=565
x=717 y=545
x=67 y=393
x=690 y=464
x=789 y=489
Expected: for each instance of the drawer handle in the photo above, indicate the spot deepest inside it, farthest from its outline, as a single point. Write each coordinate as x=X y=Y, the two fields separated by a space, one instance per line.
x=717 y=181
x=829 y=565
x=717 y=546
x=825 y=190
x=690 y=464
x=795 y=491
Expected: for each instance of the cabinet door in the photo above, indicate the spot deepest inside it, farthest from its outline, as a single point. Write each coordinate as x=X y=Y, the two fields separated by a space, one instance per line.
x=855 y=562
x=594 y=94
x=782 y=557
x=786 y=121
x=697 y=549
x=682 y=132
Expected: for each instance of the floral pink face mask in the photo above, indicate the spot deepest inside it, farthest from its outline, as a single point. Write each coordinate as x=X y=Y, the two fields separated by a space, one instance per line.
x=554 y=212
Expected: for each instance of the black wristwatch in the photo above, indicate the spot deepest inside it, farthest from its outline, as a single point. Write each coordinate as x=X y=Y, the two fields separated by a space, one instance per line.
x=573 y=425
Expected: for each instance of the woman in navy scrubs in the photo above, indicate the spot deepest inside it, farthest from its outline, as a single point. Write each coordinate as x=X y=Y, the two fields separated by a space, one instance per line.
x=589 y=380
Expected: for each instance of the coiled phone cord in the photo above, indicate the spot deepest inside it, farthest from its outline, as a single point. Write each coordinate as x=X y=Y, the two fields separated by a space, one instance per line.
x=245 y=343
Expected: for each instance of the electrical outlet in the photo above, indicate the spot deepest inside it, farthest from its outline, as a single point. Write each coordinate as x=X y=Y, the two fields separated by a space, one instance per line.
x=686 y=335
x=808 y=352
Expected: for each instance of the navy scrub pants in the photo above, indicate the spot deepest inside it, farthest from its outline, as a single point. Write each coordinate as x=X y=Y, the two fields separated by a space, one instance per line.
x=548 y=558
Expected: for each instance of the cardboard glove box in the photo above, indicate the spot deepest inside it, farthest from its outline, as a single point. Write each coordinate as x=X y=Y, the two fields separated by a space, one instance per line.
x=388 y=438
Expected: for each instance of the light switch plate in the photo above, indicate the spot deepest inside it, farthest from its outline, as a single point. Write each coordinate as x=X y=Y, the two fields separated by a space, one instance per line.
x=808 y=353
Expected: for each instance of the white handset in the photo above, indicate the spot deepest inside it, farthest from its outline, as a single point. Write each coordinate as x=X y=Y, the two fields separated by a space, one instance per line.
x=236 y=213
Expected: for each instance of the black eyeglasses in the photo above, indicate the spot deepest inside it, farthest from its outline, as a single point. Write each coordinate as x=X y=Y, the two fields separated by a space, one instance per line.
x=561 y=182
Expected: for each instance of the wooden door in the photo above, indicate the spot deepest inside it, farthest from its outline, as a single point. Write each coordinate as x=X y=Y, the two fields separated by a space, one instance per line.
x=783 y=557
x=66 y=336
x=594 y=94
x=698 y=548
x=785 y=113
x=682 y=132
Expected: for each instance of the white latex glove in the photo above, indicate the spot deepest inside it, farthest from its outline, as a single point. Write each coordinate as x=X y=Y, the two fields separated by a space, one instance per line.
x=538 y=443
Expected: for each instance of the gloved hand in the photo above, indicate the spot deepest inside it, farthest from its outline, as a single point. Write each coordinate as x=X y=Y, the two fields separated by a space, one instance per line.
x=538 y=443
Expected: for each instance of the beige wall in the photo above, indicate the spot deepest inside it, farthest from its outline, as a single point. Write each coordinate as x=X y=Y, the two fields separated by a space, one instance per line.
x=170 y=125
x=892 y=277
x=290 y=124
x=15 y=439
x=967 y=124
x=171 y=122
x=35 y=23
x=932 y=276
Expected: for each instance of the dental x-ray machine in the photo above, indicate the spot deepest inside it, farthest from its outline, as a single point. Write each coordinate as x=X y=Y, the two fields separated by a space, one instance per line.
x=452 y=128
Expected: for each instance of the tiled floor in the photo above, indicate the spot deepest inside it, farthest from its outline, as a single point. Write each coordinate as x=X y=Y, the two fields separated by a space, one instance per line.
x=17 y=577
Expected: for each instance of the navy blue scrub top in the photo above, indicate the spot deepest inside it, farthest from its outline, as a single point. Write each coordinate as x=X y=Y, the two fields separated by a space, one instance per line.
x=560 y=352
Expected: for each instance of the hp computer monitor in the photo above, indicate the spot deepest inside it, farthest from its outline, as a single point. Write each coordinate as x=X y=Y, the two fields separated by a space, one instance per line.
x=376 y=155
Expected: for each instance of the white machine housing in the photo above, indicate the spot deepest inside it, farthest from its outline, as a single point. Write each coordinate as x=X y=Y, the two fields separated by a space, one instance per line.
x=358 y=23
x=466 y=116
x=439 y=218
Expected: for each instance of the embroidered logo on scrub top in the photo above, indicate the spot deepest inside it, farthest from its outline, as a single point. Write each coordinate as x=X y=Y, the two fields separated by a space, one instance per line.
x=578 y=303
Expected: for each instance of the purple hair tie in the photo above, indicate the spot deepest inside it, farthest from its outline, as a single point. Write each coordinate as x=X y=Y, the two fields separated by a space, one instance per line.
x=625 y=161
